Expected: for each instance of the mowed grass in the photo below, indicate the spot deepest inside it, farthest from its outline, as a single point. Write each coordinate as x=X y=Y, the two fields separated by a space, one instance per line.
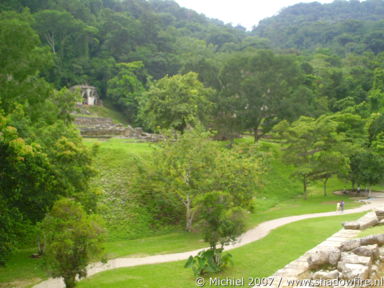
x=371 y=231
x=107 y=111
x=258 y=259
x=162 y=244
x=21 y=270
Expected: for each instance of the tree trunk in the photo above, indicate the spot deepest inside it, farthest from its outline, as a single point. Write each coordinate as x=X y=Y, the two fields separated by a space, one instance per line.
x=325 y=186
x=41 y=245
x=70 y=281
x=256 y=134
x=188 y=215
x=305 y=187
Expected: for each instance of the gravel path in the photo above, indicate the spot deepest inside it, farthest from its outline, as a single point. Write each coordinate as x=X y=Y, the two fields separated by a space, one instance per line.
x=252 y=235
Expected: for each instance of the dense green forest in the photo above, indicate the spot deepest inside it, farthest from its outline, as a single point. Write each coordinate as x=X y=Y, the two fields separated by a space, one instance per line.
x=343 y=26
x=311 y=79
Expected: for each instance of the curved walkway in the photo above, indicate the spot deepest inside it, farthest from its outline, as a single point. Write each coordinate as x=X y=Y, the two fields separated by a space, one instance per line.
x=251 y=235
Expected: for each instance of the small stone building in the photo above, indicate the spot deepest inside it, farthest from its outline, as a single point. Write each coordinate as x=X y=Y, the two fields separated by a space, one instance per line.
x=89 y=94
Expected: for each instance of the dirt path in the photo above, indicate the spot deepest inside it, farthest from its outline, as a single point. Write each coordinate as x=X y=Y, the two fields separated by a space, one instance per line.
x=252 y=235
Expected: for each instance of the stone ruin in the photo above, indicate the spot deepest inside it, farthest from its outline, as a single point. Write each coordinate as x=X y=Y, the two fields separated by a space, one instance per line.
x=98 y=127
x=354 y=259
x=88 y=93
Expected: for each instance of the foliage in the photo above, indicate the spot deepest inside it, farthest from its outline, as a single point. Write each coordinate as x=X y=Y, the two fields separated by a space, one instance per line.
x=176 y=102
x=208 y=261
x=41 y=152
x=259 y=91
x=190 y=165
x=10 y=230
x=368 y=168
x=125 y=88
x=343 y=26
x=316 y=148
x=220 y=220
x=72 y=240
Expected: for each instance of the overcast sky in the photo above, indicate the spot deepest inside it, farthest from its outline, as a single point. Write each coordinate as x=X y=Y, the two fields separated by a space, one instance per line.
x=247 y=13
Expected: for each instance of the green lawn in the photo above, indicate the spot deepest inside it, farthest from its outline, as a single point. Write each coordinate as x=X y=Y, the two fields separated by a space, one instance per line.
x=259 y=259
x=371 y=231
x=21 y=270
x=163 y=244
x=298 y=206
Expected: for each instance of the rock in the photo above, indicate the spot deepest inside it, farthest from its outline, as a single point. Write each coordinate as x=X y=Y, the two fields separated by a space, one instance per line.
x=381 y=251
x=380 y=213
x=350 y=245
x=350 y=258
x=370 y=222
x=352 y=271
x=367 y=251
x=326 y=256
x=351 y=225
x=375 y=269
x=334 y=256
x=369 y=240
x=318 y=259
x=327 y=275
x=380 y=239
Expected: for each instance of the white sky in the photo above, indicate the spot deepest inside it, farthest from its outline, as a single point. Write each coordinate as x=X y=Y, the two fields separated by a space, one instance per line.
x=247 y=13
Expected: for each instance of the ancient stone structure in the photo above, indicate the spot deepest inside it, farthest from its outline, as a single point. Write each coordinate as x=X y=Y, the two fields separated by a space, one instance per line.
x=353 y=259
x=338 y=258
x=99 y=127
x=89 y=94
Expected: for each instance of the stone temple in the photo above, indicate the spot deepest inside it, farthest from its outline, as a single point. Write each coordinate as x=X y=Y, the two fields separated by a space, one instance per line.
x=89 y=94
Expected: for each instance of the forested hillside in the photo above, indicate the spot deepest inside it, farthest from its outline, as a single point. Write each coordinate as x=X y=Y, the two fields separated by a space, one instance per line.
x=296 y=104
x=343 y=26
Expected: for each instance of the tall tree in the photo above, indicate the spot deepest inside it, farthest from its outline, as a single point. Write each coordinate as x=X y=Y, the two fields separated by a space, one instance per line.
x=176 y=102
x=192 y=165
x=126 y=88
x=261 y=85
x=315 y=148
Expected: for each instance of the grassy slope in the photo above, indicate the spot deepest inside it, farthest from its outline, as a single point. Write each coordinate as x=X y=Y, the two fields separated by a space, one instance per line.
x=105 y=111
x=124 y=216
x=259 y=259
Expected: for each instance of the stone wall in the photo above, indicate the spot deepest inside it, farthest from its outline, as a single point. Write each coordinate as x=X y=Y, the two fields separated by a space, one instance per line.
x=353 y=259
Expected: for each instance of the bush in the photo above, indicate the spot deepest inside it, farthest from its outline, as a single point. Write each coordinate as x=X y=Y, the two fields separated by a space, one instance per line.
x=209 y=261
x=72 y=240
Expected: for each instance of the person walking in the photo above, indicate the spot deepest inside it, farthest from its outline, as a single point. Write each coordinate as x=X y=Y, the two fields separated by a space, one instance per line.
x=342 y=206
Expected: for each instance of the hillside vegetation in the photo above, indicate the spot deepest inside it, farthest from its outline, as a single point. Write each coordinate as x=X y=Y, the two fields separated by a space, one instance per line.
x=343 y=26
x=251 y=126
